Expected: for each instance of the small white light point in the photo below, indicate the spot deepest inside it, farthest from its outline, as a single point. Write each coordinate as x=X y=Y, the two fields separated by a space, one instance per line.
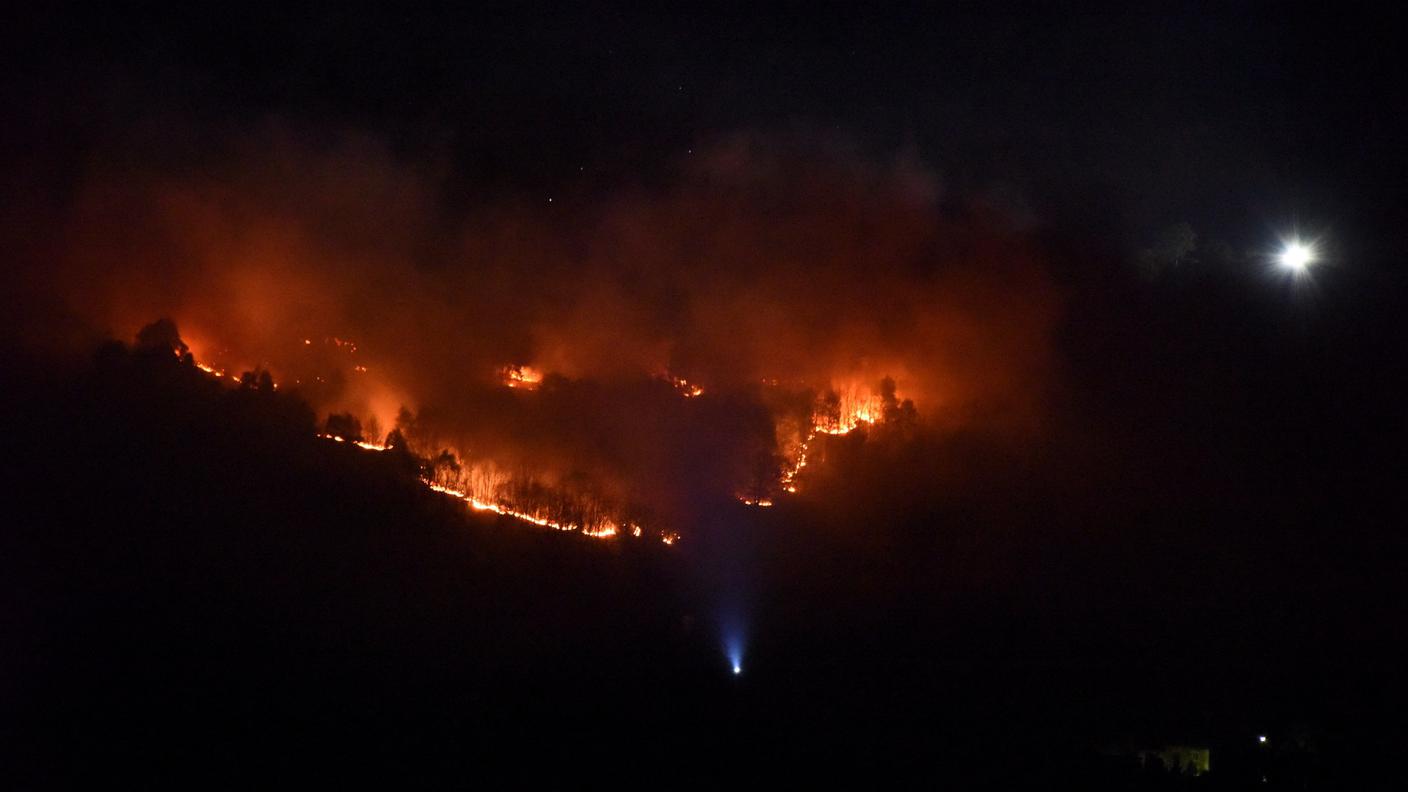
x=1261 y=738
x=737 y=669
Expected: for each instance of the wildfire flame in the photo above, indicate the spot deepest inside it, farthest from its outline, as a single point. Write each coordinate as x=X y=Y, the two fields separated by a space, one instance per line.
x=839 y=412
x=686 y=388
x=486 y=487
x=359 y=443
x=525 y=377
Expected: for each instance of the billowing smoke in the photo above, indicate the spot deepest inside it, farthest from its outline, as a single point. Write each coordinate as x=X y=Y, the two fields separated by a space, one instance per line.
x=768 y=271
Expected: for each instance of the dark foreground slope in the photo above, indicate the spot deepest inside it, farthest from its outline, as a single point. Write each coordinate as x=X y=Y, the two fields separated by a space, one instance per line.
x=195 y=581
x=199 y=590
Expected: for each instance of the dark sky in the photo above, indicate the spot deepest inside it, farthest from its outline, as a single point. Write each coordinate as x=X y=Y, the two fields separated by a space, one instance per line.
x=1227 y=118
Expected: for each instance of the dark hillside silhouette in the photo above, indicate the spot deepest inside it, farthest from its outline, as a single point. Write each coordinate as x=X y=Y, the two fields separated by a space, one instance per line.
x=202 y=582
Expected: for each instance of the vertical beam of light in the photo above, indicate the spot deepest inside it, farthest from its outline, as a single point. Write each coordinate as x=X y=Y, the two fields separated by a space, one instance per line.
x=734 y=634
x=733 y=648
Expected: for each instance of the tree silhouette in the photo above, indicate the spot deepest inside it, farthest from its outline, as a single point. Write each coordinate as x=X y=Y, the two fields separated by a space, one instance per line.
x=162 y=337
x=344 y=425
x=399 y=450
x=828 y=409
x=396 y=441
x=258 y=380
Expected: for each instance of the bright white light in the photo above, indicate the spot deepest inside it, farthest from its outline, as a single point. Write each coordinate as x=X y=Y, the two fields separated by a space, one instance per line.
x=1296 y=255
x=1261 y=738
x=737 y=669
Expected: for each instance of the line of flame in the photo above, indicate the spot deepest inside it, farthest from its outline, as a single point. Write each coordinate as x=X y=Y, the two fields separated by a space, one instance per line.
x=854 y=413
x=604 y=530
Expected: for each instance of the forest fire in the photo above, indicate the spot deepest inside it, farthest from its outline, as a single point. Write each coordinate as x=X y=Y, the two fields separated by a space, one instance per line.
x=575 y=394
x=522 y=495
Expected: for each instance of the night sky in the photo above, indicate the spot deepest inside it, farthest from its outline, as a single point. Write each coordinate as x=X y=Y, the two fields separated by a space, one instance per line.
x=1110 y=450
x=1221 y=117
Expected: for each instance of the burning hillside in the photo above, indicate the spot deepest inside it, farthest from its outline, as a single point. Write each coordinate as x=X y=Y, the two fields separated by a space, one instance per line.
x=543 y=500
